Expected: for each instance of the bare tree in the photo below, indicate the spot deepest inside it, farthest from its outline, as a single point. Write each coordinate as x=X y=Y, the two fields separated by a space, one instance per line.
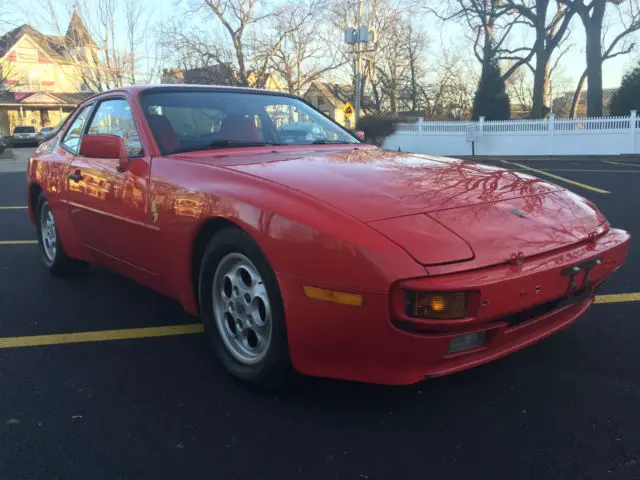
x=592 y=15
x=394 y=65
x=620 y=44
x=416 y=52
x=450 y=89
x=92 y=45
x=520 y=89
x=197 y=51
x=550 y=28
x=491 y=23
x=248 y=35
x=302 y=57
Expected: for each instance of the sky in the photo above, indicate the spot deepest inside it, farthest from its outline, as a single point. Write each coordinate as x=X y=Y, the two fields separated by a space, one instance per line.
x=440 y=35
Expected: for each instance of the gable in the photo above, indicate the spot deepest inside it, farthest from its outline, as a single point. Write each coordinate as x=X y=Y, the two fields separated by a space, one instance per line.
x=41 y=98
x=27 y=45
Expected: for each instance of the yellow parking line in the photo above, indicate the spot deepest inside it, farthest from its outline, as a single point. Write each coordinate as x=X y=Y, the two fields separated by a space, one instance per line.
x=100 y=336
x=18 y=242
x=172 y=330
x=13 y=208
x=557 y=177
x=618 y=163
x=618 y=298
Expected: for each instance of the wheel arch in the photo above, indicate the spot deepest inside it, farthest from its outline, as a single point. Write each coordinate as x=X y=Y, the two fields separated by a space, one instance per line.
x=201 y=239
x=34 y=193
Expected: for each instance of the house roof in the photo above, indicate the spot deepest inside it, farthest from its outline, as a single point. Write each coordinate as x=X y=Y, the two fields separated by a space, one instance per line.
x=53 y=45
x=77 y=32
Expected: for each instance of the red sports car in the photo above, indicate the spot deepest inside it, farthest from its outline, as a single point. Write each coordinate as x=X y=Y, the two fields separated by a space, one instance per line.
x=302 y=248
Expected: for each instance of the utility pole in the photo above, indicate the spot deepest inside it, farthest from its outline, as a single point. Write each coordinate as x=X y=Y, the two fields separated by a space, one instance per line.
x=358 y=63
x=357 y=37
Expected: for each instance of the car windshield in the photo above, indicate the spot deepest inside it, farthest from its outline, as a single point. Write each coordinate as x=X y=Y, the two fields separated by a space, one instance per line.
x=24 y=130
x=183 y=121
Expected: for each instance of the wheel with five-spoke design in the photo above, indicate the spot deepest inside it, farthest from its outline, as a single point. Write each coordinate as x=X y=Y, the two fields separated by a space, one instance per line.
x=241 y=307
x=53 y=255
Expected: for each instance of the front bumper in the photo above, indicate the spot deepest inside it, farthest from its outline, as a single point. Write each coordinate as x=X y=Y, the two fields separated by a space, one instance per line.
x=369 y=344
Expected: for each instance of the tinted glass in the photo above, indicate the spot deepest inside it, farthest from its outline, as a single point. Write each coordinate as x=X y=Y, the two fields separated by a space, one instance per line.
x=207 y=119
x=114 y=117
x=71 y=140
x=24 y=130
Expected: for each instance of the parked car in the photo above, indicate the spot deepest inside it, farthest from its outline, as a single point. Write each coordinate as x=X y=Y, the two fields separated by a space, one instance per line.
x=332 y=259
x=301 y=132
x=3 y=145
x=24 y=136
x=44 y=132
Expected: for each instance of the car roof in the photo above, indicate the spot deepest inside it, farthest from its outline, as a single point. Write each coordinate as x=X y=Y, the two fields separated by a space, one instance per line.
x=137 y=89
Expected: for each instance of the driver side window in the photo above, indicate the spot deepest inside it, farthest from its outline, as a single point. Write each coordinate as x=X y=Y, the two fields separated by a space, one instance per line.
x=71 y=139
x=114 y=117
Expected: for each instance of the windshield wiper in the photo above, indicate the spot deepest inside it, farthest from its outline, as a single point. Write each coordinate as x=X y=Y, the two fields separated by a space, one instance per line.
x=222 y=143
x=337 y=142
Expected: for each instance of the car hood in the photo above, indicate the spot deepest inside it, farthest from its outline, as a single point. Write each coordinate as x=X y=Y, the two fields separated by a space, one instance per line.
x=440 y=210
x=372 y=184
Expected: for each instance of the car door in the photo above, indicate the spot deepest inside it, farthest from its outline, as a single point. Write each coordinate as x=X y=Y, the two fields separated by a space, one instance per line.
x=109 y=206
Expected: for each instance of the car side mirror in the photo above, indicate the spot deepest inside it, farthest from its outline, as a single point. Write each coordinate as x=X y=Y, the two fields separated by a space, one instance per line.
x=105 y=146
x=359 y=134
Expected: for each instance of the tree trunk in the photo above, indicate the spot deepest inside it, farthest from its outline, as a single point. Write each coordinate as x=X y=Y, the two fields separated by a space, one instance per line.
x=593 y=31
x=242 y=69
x=577 y=94
x=540 y=82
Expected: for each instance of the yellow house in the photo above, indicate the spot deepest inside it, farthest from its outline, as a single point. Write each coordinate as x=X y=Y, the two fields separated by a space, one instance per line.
x=40 y=80
x=330 y=99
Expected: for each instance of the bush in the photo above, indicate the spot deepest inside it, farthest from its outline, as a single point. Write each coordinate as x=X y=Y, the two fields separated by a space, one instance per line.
x=491 y=100
x=377 y=127
x=627 y=97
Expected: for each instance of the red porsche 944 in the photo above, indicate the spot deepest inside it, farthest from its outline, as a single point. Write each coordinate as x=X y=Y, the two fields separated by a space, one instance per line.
x=303 y=249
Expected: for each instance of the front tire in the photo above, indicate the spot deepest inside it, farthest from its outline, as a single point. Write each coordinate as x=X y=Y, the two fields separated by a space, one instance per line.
x=53 y=255
x=242 y=310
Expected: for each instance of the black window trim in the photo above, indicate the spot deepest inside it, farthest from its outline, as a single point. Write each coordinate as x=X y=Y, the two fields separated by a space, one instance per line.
x=118 y=96
x=91 y=105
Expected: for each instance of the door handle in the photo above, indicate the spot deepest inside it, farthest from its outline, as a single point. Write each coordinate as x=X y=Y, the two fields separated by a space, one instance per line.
x=76 y=177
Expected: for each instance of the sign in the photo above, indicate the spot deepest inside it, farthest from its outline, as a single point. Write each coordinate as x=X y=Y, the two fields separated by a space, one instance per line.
x=472 y=132
x=348 y=110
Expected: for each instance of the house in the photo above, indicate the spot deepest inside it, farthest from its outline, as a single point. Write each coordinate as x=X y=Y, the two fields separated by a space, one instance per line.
x=562 y=103
x=40 y=79
x=216 y=75
x=331 y=98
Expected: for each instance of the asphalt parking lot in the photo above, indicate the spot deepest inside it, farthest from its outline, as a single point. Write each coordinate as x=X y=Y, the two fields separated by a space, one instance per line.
x=160 y=407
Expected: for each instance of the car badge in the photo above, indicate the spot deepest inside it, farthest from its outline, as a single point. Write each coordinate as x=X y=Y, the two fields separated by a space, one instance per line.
x=519 y=213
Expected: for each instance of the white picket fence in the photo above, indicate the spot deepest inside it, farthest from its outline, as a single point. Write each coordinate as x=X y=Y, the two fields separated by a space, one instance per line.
x=553 y=136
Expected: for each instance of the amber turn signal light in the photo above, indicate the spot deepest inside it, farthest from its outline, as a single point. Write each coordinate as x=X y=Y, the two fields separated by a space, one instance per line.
x=333 y=296
x=441 y=306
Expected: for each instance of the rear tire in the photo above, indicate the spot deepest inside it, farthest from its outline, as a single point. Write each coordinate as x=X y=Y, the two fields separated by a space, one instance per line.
x=53 y=255
x=242 y=310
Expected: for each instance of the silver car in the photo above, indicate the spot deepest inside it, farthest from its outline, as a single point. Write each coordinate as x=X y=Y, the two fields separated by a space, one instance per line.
x=23 y=136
